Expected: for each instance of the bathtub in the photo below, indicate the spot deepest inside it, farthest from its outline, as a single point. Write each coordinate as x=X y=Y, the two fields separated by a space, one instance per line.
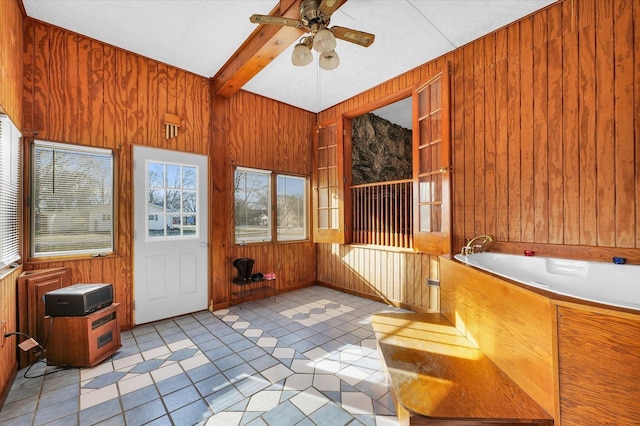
x=600 y=282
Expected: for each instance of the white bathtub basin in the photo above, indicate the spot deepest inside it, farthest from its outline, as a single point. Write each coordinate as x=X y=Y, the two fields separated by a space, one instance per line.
x=601 y=282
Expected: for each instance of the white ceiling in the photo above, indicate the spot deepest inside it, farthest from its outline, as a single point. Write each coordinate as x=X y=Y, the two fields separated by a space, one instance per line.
x=200 y=35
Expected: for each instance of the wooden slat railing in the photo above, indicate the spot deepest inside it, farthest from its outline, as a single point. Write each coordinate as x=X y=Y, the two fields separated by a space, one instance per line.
x=382 y=213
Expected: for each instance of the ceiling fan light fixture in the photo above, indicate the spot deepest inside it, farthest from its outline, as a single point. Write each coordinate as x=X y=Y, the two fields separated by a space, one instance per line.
x=324 y=41
x=329 y=60
x=301 y=55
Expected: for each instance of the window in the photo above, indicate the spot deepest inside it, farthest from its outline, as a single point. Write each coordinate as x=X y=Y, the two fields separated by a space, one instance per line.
x=72 y=200
x=291 y=207
x=253 y=206
x=9 y=191
x=172 y=200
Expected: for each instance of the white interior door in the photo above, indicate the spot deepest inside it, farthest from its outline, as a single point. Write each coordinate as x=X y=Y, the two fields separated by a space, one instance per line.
x=170 y=247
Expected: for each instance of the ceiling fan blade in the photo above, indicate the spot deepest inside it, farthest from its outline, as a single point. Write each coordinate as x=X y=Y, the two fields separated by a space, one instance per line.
x=275 y=20
x=327 y=7
x=353 y=36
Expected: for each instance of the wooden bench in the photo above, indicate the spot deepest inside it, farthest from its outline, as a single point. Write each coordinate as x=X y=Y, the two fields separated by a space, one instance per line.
x=438 y=376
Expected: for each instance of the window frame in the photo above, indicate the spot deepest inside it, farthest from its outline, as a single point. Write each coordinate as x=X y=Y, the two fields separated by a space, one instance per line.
x=269 y=209
x=32 y=210
x=305 y=207
x=10 y=192
x=272 y=197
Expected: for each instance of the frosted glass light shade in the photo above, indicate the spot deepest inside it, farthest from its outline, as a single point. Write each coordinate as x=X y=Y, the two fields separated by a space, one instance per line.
x=301 y=55
x=329 y=60
x=324 y=41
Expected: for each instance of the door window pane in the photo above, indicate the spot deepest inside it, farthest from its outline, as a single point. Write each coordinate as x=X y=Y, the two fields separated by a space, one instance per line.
x=172 y=192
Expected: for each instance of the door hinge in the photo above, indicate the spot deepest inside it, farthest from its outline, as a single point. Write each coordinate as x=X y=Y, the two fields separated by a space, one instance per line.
x=344 y=132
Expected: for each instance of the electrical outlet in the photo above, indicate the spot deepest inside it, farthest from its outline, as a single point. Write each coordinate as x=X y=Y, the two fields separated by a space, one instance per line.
x=3 y=327
x=278 y=266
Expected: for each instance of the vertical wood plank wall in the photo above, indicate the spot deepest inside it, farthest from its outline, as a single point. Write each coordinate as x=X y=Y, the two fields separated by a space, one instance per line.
x=11 y=60
x=11 y=22
x=545 y=137
x=81 y=91
x=253 y=131
x=546 y=132
x=396 y=277
x=8 y=316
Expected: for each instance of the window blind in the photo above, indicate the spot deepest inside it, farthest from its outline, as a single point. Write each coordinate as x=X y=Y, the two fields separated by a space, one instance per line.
x=72 y=200
x=9 y=191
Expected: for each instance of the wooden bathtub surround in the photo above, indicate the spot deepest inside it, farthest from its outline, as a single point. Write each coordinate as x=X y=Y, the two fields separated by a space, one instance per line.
x=512 y=326
x=438 y=376
x=579 y=360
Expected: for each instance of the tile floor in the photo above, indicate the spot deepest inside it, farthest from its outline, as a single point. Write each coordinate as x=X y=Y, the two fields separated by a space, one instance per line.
x=306 y=358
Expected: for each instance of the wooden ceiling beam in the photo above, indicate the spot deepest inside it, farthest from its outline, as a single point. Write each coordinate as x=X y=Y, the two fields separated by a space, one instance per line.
x=262 y=47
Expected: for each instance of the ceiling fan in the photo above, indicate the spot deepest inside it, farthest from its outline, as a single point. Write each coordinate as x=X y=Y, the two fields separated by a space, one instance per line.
x=314 y=18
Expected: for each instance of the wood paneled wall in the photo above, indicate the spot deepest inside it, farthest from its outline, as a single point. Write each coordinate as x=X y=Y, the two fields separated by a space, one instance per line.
x=82 y=91
x=8 y=323
x=253 y=131
x=545 y=133
x=11 y=22
x=394 y=276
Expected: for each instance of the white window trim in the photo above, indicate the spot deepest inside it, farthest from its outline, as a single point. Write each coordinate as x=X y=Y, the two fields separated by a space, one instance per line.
x=10 y=194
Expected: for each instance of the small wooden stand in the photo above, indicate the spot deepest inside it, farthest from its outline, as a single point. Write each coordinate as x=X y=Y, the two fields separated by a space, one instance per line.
x=84 y=341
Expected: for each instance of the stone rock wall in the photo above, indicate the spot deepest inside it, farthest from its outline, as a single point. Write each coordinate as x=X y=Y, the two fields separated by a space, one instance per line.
x=381 y=150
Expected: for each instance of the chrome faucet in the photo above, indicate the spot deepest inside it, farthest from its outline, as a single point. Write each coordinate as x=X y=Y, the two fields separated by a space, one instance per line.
x=476 y=248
